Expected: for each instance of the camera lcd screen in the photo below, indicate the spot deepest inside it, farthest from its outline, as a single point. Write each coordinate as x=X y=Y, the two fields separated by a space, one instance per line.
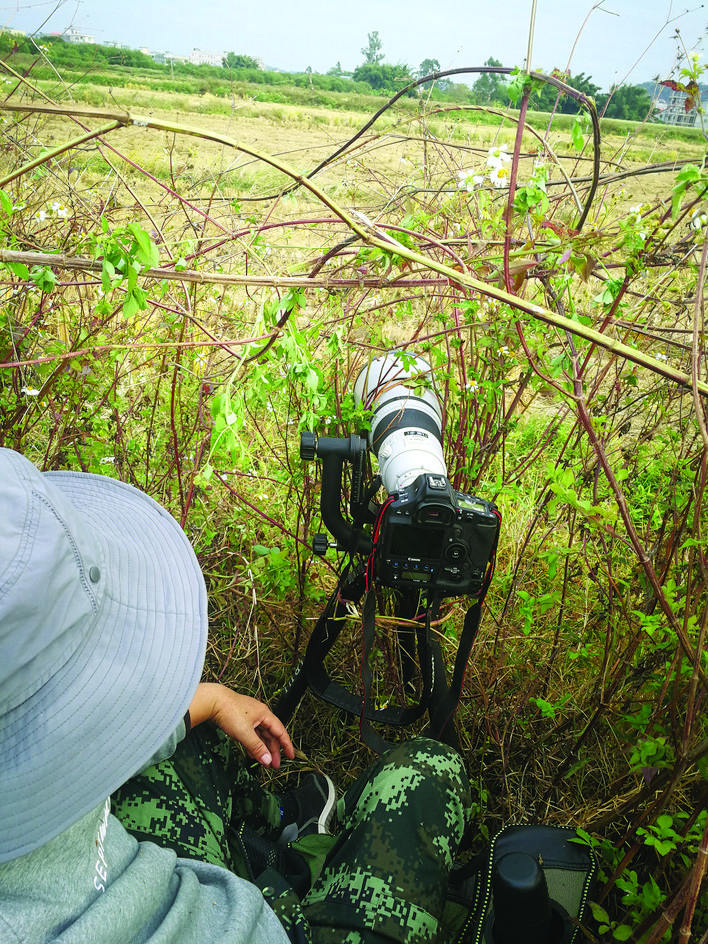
x=415 y=575
x=421 y=543
x=472 y=504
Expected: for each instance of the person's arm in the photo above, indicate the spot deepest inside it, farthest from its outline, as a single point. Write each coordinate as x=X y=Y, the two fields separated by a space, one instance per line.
x=243 y=718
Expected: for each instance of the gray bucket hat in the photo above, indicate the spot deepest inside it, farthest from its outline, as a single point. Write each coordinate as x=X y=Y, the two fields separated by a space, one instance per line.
x=103 y=629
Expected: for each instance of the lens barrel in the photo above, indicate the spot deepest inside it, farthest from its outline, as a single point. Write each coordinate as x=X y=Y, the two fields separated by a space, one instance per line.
x=522 y=906
x=406 y=428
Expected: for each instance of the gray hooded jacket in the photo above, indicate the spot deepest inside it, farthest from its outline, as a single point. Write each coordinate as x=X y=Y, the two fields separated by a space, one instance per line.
x=96 y=884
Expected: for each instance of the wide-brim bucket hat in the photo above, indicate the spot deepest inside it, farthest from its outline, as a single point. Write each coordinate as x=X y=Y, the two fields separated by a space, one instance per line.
x=103 y=630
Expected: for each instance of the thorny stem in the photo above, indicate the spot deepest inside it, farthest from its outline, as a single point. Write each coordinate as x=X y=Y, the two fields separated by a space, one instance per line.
x=484 y=288
x=697 y=875
x=173 y=419
x=512 y=188
x=640 y=551
x=60 y=149
x=698 y=333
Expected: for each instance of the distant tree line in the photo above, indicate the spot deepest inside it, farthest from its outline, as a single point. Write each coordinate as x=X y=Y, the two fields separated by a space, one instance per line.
x=233 y=60
x=79 y=55
x=373 y=75
x=629 y=102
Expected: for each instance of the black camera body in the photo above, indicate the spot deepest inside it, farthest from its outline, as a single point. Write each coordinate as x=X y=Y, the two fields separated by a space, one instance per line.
x=425 y=536
x=434 y=538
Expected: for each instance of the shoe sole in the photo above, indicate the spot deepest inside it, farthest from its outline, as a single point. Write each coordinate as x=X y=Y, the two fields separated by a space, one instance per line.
x=328 y=810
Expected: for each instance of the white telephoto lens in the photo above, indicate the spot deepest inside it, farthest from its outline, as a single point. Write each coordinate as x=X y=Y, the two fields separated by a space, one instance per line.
x=406 y=427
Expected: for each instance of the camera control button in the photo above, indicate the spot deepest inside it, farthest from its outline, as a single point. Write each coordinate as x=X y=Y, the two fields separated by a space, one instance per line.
x=456 y=552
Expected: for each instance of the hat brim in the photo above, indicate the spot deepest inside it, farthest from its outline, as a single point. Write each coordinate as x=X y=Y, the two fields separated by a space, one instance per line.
x=123 y=692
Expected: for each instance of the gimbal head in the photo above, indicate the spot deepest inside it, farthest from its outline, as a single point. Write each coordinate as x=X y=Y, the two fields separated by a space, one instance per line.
x=333 y=453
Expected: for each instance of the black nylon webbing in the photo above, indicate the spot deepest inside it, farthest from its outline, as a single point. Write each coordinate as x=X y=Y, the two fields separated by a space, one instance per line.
x=439 y=698
x=323 y=637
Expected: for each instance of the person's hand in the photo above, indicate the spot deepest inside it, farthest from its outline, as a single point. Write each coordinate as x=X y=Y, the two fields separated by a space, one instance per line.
x=245 y=719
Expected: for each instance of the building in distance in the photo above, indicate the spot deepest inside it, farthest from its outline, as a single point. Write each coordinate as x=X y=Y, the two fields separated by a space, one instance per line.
x=198 y=57
x=73 y=35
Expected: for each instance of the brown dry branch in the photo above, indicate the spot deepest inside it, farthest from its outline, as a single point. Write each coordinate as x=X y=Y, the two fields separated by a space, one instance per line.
x=698 y=873
x=83 y=264
x=374 y=237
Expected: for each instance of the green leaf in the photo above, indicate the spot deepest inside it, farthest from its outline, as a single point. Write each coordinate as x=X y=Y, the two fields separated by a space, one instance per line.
x=43 y=278
x=702 y=764
x=107 y=273
x=130 y=305
x=576 y=136
x=18 y=269
x=312 y=380
x=216 y=405
x=40 y=170
x=5 y=203
x=622 y=932
x=599 y=913
x=146 y=252
x=690 y=174
x=546 y=708
x=141 y=297
x=515 y=88
x=133 y=271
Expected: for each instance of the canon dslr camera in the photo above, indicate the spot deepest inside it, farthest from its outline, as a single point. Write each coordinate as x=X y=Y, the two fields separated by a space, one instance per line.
x=426 y=535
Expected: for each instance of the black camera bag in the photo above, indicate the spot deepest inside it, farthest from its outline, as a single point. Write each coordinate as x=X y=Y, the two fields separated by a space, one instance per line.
x=549 y=910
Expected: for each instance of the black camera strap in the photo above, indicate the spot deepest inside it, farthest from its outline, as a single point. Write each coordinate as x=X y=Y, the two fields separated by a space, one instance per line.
x=396 y=715
x=325 y=634
x=436 y=697
x=442 y=711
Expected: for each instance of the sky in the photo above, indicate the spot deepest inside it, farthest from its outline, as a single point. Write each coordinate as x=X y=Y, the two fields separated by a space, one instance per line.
x=613 y=41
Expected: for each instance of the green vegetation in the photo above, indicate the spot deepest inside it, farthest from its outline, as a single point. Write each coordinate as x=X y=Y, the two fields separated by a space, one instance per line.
x=179 y=302
x=234 y=61
x=107 y=66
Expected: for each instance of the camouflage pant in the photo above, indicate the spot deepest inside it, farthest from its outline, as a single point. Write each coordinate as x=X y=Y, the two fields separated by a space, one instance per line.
x=381 y=878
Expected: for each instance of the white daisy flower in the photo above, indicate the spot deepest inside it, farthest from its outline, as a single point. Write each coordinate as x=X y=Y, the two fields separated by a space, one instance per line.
x=698 y=220
x=499 y=176
x=468 y=180
x=497 y=155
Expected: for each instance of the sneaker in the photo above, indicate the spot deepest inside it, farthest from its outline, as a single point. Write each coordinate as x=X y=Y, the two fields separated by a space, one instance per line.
x=308 y=809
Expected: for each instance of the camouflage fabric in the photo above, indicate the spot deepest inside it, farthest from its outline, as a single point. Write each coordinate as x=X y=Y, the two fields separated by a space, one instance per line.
x=381 y=878
x=192 y=801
